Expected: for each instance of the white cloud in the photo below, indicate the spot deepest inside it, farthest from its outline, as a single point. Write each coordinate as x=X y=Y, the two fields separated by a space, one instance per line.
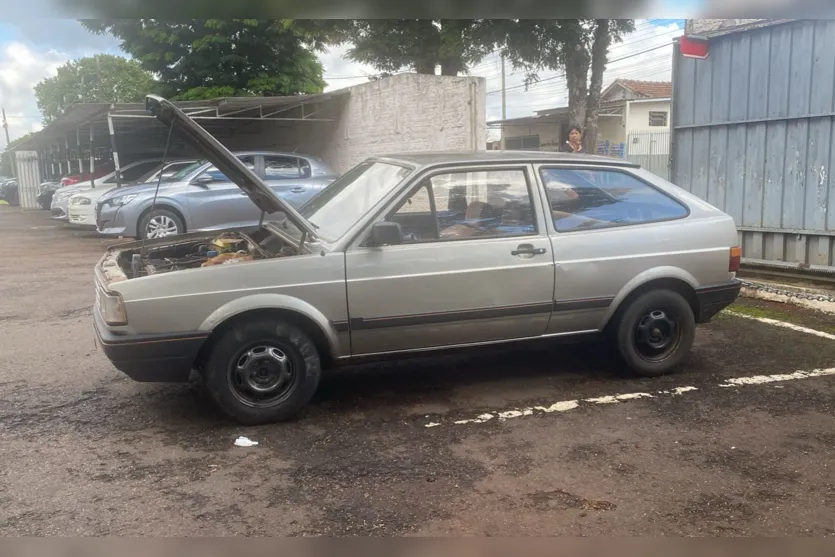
x=20 y=69
x=340 y=72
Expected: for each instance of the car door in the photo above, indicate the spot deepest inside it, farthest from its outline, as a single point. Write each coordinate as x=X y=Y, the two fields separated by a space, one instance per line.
x=475 y=265
x=608 y=226
x=216 y=202
x=291 y=178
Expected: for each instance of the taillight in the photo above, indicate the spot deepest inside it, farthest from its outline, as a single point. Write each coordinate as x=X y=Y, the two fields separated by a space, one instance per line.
x=734 y=259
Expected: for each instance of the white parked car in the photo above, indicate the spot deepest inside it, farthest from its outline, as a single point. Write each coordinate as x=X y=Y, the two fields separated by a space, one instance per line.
x=81 y=209
x=130 y=173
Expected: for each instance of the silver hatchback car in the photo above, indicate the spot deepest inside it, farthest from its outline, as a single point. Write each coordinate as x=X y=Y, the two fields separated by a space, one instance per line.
x=409 y=253
x=201 y=197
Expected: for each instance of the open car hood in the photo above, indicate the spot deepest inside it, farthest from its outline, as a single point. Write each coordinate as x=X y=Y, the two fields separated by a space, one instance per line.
x=213 y=151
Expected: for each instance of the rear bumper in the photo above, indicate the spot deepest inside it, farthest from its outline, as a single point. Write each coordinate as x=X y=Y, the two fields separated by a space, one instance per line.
x=150 y=358
x=713 y=299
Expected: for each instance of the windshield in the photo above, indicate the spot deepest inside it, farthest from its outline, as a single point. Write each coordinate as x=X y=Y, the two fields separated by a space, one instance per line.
x=352 y=195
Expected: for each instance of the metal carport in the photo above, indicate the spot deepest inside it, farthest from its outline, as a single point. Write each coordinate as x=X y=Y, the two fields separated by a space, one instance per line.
x=87 y=135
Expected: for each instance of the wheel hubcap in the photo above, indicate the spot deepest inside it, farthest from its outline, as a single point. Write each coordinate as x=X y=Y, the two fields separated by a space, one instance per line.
x=657 y=335
x=262 y=375
x=160 y=226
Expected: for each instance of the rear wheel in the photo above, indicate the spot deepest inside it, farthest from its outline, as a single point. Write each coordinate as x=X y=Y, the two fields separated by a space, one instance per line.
x=655 y=332
x=263 y=371
x=160 y=223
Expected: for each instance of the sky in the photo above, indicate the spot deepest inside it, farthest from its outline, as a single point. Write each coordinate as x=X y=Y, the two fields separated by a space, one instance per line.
x=33 y=49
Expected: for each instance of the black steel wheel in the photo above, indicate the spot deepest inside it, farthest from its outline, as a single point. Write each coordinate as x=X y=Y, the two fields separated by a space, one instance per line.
x=656 y=332
x=262 y=371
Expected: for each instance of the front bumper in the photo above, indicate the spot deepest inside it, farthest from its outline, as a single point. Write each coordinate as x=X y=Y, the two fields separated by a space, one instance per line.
x=110 y=221
x=713 y=299
x=166 y=358
x=82 y=215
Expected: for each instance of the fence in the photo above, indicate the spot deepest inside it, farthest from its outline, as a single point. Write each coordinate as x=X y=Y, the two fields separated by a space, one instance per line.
x=651 y=150
x=754 y=136
x=610 y=149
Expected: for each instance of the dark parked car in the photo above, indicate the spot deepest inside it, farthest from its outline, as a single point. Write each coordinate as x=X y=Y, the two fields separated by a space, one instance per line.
x=45 y=192
x=9 y=192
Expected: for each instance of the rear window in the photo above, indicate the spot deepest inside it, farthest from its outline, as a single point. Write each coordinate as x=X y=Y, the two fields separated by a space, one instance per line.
x=585 y=199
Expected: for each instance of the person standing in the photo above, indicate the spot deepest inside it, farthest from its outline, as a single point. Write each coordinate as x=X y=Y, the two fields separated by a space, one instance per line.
x=575 y=140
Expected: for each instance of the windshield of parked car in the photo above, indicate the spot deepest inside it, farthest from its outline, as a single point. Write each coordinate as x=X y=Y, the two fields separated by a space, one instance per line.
x=340 y=205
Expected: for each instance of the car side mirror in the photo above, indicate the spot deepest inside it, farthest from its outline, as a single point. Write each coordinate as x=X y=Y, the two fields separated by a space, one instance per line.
x=386 y=234
x=202 y=181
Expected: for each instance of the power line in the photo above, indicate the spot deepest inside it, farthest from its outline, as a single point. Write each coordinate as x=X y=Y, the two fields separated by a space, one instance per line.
x=665 y=45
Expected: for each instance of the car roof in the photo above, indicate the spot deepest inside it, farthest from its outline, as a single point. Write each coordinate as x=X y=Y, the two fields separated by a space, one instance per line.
x=430 y=158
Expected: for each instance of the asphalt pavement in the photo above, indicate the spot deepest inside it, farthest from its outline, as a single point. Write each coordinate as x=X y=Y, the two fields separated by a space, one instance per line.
x=555 y=440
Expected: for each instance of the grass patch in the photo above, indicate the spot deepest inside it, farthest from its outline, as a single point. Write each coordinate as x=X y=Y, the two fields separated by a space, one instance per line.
x=746 y=307
x=754 y=311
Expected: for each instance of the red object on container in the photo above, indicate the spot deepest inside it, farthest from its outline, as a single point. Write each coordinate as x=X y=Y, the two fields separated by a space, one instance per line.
x=692 y=47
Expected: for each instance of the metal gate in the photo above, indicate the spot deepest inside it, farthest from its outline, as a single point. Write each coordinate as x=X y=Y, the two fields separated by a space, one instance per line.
x=754 y=132
x=651 y=150
x=28 y=178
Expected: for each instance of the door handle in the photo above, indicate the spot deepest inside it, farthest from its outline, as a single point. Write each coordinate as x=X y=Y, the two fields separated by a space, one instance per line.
x=299 y=189
x=527 y=249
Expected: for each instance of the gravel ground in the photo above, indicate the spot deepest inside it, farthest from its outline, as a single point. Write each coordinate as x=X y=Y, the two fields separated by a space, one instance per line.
x=86 y=451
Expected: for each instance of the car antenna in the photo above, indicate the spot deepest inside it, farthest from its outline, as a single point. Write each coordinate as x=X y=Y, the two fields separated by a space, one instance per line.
x=137 y=261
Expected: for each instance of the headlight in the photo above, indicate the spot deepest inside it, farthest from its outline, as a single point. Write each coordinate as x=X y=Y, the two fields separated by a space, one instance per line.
x=121 y=200
x=79 y=201
x=111 y=307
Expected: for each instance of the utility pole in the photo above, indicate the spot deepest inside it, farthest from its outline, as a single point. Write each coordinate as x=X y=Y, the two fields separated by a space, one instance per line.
x=6 y=127
x=504 y=104
x=8 y=141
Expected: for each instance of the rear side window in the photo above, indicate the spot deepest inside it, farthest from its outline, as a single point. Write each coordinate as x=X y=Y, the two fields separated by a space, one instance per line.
x=285 y=168
x=582 y=199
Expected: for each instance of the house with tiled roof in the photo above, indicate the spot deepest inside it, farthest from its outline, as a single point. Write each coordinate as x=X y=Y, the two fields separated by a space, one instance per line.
x=634 y=117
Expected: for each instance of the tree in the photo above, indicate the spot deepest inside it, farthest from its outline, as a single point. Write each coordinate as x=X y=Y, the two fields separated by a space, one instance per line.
x=575 y=46
x=421 y=45
x=208 y=58
x=102 y=78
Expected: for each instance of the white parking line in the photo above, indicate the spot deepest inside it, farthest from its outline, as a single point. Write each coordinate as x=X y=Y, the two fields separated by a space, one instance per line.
x=783 y=324
x=568 y=405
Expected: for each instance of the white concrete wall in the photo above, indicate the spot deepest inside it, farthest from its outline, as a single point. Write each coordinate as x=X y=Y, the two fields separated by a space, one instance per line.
x=638 y=119
x=548 y=132
x=610 y=128
x=407 y=113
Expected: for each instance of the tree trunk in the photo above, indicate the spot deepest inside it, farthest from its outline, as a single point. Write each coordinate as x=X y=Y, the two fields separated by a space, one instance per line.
x=576 y=57
x=599 y=50
x=451 y=67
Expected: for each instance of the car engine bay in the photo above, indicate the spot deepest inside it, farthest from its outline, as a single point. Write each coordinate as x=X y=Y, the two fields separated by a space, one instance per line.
x=206 y=250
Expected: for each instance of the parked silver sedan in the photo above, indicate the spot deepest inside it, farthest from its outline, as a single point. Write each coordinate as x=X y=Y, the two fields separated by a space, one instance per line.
x=201 y=197
x=412 y=253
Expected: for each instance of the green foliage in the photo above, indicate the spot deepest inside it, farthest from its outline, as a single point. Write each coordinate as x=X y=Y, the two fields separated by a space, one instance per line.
x=95 y=79
x=391 y=45
x=197 y=59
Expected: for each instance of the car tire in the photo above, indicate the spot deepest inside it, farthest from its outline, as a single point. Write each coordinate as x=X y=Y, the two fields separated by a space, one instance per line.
x=655 y=332
x=262 y=371
x=164 y=217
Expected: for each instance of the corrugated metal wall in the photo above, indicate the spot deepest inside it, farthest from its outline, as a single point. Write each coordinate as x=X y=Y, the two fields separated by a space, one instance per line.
x=28 y=178
x=754 y=136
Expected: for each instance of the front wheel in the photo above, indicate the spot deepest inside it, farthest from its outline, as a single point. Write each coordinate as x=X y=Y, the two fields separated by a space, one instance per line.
x=263 y=371
x=656 y=332
x=160 y=223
